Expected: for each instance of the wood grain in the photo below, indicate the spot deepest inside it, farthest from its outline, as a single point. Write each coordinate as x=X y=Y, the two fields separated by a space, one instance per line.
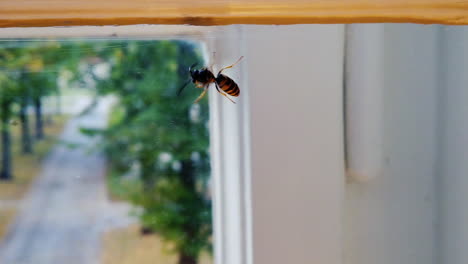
x=28 y=13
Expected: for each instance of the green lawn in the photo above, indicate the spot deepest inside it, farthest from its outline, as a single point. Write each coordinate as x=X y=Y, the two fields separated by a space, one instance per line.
x=128 y=246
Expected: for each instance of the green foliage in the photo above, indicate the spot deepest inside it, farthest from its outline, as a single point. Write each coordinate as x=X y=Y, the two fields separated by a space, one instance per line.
x=27 y=71
x=164 y=138
x=33 y=67
x=174 y=212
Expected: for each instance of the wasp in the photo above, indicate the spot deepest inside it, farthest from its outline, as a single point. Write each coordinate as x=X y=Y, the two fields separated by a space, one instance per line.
x=203 y=77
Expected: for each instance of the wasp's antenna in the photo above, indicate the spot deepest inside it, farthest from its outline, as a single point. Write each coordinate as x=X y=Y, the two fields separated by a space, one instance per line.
x=187 y=82
x=182 y=88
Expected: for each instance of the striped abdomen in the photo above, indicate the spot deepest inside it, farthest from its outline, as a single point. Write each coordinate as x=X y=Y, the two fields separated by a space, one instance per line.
x=227 y=85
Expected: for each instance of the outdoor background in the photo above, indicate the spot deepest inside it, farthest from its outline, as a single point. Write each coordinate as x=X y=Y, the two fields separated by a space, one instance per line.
x=101 y=162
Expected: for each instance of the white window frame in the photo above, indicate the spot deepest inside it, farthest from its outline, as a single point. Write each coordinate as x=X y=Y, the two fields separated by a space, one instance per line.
x=246 y=230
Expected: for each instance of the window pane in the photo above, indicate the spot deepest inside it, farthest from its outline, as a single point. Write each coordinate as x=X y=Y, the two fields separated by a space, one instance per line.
x=103 y=161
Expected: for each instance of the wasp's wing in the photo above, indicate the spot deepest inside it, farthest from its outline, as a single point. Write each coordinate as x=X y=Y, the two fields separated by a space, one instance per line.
x=182 y=88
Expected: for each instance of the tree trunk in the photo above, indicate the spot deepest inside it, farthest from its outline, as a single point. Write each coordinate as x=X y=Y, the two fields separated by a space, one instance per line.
x=5 y=173
x=148 y=179
x=58 y=105
x=188 y=180
x=26 y=140
x=39 y=123
x=144 y=230
x=147 y=175
x=184 y=259
x=187 y=174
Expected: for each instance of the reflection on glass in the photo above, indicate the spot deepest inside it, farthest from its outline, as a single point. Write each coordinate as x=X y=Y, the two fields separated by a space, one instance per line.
x=101 y=161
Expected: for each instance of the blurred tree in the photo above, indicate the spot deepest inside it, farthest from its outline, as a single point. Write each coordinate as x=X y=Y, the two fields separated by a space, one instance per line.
x=26 y=139
x=42 y=84
x=164 y=135
x=8 y=95
x=44 y=64
x=23 y=79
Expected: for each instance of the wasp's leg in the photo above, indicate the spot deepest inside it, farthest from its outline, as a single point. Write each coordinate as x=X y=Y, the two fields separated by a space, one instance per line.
x=219 y=91
x=230 y=66
x=201 y=95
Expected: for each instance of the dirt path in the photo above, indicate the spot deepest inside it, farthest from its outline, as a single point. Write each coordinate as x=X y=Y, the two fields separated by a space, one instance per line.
x=63 y=216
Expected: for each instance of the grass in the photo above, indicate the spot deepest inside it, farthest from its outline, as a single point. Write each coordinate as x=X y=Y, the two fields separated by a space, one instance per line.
x=25 y=167
x=127 y=246
x=6 y=218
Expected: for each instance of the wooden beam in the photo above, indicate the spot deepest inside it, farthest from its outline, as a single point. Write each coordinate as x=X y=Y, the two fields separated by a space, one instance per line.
x=34 y=13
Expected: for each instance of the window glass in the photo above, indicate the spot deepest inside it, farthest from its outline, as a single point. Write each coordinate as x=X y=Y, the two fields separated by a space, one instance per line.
x=103 y=160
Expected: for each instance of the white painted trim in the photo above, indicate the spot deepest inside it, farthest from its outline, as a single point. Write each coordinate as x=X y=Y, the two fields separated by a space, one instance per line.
x=133 y=32
x=230 y=153
x=453 y=146
x=364 y=102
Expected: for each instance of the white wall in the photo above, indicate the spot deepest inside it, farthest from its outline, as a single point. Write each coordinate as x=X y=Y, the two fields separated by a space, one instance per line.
x=454 y=146
x=279 y=197
x=296 y=127
x=391 y=218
